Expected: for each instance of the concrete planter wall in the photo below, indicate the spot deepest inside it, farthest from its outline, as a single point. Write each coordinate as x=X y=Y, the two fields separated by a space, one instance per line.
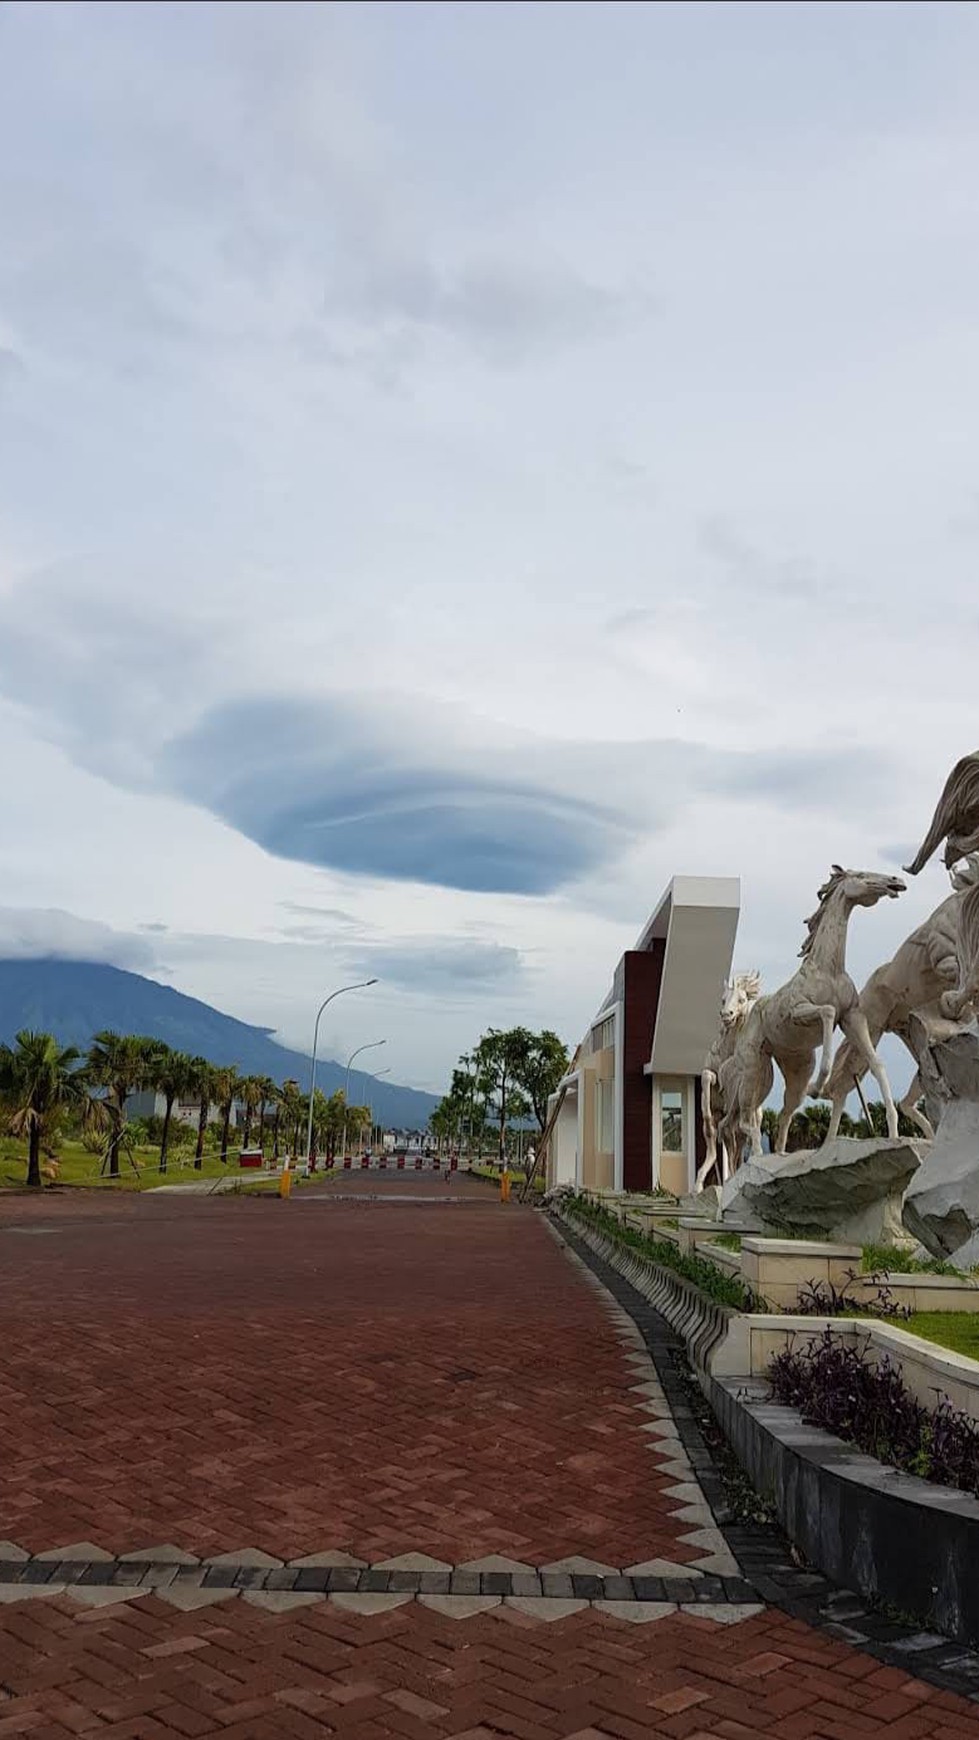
x=890 y=1536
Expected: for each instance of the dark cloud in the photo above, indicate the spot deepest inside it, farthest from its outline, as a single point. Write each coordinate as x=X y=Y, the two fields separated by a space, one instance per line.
x=428 y=964
x=339 y=786
x=400 y=794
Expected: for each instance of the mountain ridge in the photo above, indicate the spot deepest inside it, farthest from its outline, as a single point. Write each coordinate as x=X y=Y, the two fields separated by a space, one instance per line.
x=74 y=1000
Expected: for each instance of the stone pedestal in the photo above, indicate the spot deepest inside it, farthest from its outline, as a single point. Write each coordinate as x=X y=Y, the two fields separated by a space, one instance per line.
x=942 y=1204
x=848 y=1191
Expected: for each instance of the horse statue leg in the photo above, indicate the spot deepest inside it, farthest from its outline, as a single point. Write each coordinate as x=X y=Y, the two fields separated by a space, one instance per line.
x=795 y=1075
x=855 y=1029
x=708 y=1080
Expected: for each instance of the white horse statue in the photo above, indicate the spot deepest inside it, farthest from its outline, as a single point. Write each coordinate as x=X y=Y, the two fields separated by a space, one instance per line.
x=792 y=1024
x=922 y=979
x=740 y=997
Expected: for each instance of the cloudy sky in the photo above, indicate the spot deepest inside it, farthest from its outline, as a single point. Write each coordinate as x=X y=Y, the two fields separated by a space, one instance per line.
x=463 y=464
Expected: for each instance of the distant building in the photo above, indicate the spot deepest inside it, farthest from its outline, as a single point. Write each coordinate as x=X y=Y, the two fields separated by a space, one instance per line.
x=627 y=1114
x=147 y=1104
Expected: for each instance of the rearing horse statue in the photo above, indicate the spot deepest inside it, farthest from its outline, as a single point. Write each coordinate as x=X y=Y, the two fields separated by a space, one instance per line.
x=792 y=1024
x=739 y=998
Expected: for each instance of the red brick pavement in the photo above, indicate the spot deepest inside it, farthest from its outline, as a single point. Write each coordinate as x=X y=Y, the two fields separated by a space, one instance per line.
x=141 y=1671
x=298 y=1376
x=228 y=1373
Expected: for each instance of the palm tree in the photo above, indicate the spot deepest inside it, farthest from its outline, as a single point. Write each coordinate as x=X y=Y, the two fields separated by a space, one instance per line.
x=291 y=1102
x=270 y=1095
x=40 y=1079
x=121 y=1063
x=200 y=1083
x=171 y=1077
x=251 y=1092
x=227 y=1086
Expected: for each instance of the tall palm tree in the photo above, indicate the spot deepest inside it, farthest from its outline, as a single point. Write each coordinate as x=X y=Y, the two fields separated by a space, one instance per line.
x=171 y=1077
x=227 y=1086
x=201 y=1084
x=270 y=1095
x=40 y=1079
x=121 y=1063
x=251 y=1091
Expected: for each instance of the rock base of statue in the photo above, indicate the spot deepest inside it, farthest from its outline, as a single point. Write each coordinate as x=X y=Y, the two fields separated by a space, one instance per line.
x=942 y=1204
x=849 y=1191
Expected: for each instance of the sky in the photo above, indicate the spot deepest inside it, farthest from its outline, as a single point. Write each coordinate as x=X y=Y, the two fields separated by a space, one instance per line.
x=462 y=465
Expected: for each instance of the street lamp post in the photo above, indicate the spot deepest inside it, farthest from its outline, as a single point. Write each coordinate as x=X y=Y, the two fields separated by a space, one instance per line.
x=377 y=1076
x=370 y=1046
x=361 y=985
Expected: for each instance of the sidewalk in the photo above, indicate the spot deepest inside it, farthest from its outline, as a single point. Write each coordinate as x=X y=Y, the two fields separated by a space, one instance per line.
x=359 y=1382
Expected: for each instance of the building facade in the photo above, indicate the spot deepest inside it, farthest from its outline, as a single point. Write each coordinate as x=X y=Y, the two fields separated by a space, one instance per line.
x=627 y=1114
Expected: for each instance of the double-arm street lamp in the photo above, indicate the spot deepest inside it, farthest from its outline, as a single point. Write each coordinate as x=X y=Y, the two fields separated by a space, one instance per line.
x=361 y=985
x=370 y=1046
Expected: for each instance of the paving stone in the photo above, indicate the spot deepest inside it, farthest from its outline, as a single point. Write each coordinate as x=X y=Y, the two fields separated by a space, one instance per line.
x=188 y=1599
x=587 y=1567
x=328 y=1561
x=164 y=1555
x=92 y=1595
x=459 y=1606
x=547 y=1610
x=637 y=1612
x=370 y=1603
x=246 y=1556
x=279 y=1600
x=723 y=1612
x=25 y=1591
x=496 y=1562
x=11 y=1554
x=83 y=1550
x=660 y=1568
x=557 y=1585
x=412 y=1562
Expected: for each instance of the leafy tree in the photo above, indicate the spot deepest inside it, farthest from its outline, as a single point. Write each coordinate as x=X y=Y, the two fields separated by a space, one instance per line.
x=121 y=1063
x=41 y=1080
x=543 y=1066
x=270 y=1096
x=501 y=1059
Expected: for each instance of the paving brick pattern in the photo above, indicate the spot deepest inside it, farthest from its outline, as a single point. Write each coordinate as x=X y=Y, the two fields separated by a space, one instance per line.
x=384 y=1380
x=310 y=1375
x=142 y=1672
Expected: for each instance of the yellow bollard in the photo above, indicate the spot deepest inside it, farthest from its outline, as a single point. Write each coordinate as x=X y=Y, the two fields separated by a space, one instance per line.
x=285 y=1182
x=505 y=1184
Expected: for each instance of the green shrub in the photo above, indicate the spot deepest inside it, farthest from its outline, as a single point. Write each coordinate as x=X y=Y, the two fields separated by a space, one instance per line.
x=724 y=1289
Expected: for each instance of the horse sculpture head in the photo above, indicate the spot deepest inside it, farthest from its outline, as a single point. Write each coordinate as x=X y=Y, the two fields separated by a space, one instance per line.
x=739 y=998
x=857 y=888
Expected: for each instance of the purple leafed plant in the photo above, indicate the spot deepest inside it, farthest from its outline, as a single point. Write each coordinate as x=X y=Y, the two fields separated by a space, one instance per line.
x=840 y=1387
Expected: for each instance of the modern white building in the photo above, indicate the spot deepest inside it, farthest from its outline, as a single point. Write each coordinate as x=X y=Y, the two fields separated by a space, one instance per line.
x=627 y=1114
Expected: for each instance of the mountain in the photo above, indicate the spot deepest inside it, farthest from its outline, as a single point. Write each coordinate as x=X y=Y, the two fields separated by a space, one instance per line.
x=76 y=999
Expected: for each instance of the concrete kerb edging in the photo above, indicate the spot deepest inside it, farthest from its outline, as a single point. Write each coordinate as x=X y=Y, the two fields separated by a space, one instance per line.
x=764 y=1554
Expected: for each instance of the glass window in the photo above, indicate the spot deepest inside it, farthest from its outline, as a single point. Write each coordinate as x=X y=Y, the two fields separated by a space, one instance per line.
x=671 y=1121
x=605 y=1116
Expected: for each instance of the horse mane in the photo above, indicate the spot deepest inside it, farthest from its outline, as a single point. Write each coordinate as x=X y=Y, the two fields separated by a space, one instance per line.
x=960 y=798
x=813 y=923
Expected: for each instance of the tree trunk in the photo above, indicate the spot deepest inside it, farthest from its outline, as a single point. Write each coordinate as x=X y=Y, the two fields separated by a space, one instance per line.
x=502 y=1121
x=165 y=1138
x=295 y=1138
x=225 y=1127
x=115 y=1136
x=275 y=1139
x=201 y=1127
x=246 y=1133
x=34 y=1156
x=261 y=1125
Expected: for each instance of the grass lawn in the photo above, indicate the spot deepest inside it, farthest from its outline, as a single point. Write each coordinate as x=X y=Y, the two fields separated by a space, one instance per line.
x=76 y=1166
x=958 y=1330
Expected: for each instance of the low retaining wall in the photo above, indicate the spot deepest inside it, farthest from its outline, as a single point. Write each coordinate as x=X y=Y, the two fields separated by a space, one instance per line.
x=701 y=1322
x=888 y=1535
